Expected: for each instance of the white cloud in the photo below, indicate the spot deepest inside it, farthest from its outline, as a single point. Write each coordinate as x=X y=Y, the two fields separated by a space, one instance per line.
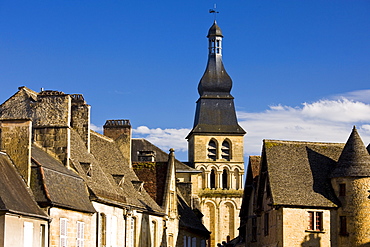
x=96 y=128
x=321 y=121
x=328 y=120
x=164 y=138
x=358 y=95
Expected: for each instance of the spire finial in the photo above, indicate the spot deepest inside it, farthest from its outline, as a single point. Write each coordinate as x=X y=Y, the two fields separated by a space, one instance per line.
x=214 y=11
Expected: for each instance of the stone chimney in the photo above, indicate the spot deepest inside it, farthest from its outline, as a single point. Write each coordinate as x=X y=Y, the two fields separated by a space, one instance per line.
x=120 y=131
x=52 y=122
x=15 y=140
x=80 y=118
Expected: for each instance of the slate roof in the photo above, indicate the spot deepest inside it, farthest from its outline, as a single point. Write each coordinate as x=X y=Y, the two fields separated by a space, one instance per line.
x=298 y=172
x=253 y=170
x=112 y=162
x=188 y=218
x=214 y=30
x=15 y=196
x=354 y=160
x=215 y=111
x=160 y=156
x=55 y=185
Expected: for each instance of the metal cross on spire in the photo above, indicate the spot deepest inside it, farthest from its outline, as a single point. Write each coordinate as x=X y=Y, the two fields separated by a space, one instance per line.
x=214 y=11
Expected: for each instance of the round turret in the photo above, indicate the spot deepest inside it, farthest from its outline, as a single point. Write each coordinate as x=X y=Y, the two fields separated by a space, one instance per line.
x=351 y=182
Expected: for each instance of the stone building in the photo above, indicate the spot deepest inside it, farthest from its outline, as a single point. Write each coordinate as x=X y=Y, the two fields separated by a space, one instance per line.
x=22 y=222
x=215 y=147
x=82 y=188
x=82 y=180
x=308 y=194
x=161 y=172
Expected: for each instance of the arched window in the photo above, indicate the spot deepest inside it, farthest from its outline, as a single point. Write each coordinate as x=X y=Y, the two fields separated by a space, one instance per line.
x=225 y=179
x=212 y=179
x=225 y=150
x=212 y=150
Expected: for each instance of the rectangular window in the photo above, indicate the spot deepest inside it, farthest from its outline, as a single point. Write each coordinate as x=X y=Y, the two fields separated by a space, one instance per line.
x=342 y=189
x=254 y=229
x=103 y=230
x=194 y=242
x=80 y=234
x=43 y=235
x=113 y=233
x=170 y=240
x=343 y=225
x=202 y=243
x=266 y=224
x=63 y=232
x=315 y=221
x=133 y=231
x=28 y=234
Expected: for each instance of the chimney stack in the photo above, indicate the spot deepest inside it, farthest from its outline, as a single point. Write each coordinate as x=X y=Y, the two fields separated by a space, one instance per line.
x=120 y=131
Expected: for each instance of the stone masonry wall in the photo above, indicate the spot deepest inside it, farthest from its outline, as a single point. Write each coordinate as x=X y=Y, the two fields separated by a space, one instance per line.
x=56 y=141
x=72 y=216
x=80 y=118
x=52 y=110
x=356 y=208
x=15 y=139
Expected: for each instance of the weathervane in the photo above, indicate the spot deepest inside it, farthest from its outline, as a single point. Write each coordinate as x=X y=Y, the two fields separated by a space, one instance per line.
x=214 y=11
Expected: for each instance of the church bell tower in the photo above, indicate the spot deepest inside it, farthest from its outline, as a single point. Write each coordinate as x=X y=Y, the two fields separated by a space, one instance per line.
x=215 y=146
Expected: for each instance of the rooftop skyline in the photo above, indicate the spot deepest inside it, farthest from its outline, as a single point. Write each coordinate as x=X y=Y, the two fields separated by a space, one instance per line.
x=300 y=69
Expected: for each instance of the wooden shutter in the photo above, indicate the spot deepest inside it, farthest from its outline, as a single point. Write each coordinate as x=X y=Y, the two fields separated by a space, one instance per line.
x=80 y=234
x=63 y=232
x=28 y=234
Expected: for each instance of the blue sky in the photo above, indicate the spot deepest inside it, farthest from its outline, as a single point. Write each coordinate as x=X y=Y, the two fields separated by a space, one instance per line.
x=300 y=68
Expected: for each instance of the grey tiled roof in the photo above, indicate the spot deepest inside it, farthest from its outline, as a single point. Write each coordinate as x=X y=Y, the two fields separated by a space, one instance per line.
x=298 y=172
x=15 y=197
x=188 y=219
x=112 y=162
x=55 y=185
x=160 y=155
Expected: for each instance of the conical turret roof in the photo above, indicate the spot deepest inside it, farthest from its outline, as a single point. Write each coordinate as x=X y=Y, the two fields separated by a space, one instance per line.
x=354 y=160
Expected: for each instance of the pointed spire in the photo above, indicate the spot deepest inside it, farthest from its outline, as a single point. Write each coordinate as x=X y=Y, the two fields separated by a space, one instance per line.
x=215 y=112
x=354 y=160
x=215 y=80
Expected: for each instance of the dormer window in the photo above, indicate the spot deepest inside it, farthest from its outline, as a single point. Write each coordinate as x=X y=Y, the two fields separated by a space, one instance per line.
x=87 y=167
x=119 y=178
x=144 y=155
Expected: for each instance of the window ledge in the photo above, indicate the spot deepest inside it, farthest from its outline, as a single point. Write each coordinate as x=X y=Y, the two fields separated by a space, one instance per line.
x=313 y=231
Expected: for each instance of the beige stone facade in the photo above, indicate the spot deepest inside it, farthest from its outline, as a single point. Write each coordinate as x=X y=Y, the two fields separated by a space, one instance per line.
x=21 y=231
x=218 y=188
x=308 y=194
